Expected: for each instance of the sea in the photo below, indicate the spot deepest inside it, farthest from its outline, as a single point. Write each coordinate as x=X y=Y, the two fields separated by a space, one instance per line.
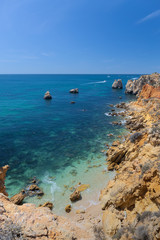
x=61 y=144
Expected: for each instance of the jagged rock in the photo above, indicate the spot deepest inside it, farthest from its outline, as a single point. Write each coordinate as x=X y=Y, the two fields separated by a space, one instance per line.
x=74 y=90
x=135 y=86
x=116 y=123
x=48 y=205
x=18 y=198
x=68 y=208
x=75 y=196
x=122 y=105
x=117 y=84
x=47 y=96
x=3 y=171
x=136 y=187
x=110 y=135
x=34 y=190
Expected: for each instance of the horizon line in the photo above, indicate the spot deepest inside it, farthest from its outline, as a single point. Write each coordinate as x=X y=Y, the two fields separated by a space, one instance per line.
x=73 y=73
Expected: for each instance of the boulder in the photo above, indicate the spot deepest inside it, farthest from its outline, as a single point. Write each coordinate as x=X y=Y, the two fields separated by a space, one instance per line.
x=34 y=190
x=75 y=196
x=74 y=90
x=47 y=96
x=117 y=84
x=18 y=198
x=68 y=208
x=47 y=204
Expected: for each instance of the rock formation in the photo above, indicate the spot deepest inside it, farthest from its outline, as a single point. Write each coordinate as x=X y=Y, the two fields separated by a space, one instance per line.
x=3 y=171
x=135 y=86
x=131 y=200
x=47 y=96
x=74 y=90
x=75 y=196
x=117 y=84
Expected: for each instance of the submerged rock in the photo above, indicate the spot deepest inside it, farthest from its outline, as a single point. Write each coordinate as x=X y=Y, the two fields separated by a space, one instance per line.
x=75 y=196
x=74 y=90
x=72 y=102
x=82 y=187
x=47 y=96
x=34 y=190
x=117 y=84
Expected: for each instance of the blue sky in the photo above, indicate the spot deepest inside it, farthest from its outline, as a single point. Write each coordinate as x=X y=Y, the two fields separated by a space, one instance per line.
x=79 y=36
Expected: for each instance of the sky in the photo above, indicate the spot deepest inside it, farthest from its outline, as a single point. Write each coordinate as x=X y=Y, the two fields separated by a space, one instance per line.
x=79 y=36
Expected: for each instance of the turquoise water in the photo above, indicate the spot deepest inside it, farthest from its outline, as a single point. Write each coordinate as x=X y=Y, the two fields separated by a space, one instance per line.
x=55 y=139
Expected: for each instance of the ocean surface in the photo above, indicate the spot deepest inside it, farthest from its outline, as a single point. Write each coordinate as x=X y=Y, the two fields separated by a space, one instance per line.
x=58 y=142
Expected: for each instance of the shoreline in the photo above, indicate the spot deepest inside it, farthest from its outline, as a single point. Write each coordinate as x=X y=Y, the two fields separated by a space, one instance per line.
x=135 y=189
x=123 y=204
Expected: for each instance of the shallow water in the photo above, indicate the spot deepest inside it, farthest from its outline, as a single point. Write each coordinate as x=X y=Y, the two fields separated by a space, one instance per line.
x=58 y=142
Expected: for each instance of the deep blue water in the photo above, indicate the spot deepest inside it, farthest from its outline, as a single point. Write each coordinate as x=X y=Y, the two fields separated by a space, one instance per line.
x=38 y=135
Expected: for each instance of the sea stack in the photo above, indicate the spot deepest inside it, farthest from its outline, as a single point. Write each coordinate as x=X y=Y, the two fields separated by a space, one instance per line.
x=74 y=90
x=47 y=96
x=117 y=84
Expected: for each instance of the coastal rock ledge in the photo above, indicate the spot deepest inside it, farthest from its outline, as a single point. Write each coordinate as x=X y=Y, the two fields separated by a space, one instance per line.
x=131 y=201
x=135 y=86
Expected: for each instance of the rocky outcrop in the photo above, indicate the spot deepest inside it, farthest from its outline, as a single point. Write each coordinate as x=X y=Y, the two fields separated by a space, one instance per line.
x=75 y=196
x=3 y=171
x=18 y=198
x=135 y=86
x=74 y=90
x=29 y=222
x=47 y=96
x=48 y=205
x=117 y=84
x=132 y=197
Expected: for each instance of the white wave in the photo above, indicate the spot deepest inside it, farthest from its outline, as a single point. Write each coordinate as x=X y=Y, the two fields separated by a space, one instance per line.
x=52 y=183
x=135 y=78
x=91 y=203
x=94 y=82
x=108 y=114
x=123 y=122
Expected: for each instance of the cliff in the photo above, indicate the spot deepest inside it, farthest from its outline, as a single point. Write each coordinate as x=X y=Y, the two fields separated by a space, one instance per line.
x=3 y=171
x=135 y=86
x=131 y=200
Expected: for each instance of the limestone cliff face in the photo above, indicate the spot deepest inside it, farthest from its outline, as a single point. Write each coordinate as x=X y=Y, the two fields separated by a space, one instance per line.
x=3 y=171
x=133 y=196
x=135 y=86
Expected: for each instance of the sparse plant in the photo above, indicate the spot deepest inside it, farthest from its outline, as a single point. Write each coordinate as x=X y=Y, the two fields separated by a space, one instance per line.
x=135 y=136
x=98 y=232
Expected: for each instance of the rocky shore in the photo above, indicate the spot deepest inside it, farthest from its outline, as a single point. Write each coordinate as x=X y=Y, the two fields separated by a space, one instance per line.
x=129 y=203
x=131 y=200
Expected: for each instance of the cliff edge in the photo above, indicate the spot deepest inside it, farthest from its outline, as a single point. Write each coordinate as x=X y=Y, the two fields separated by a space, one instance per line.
x=131 y=200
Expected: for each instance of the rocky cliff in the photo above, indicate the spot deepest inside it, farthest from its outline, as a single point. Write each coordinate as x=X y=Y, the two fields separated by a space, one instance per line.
x=131 y=200
x=135 y=86
x=3 y=171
